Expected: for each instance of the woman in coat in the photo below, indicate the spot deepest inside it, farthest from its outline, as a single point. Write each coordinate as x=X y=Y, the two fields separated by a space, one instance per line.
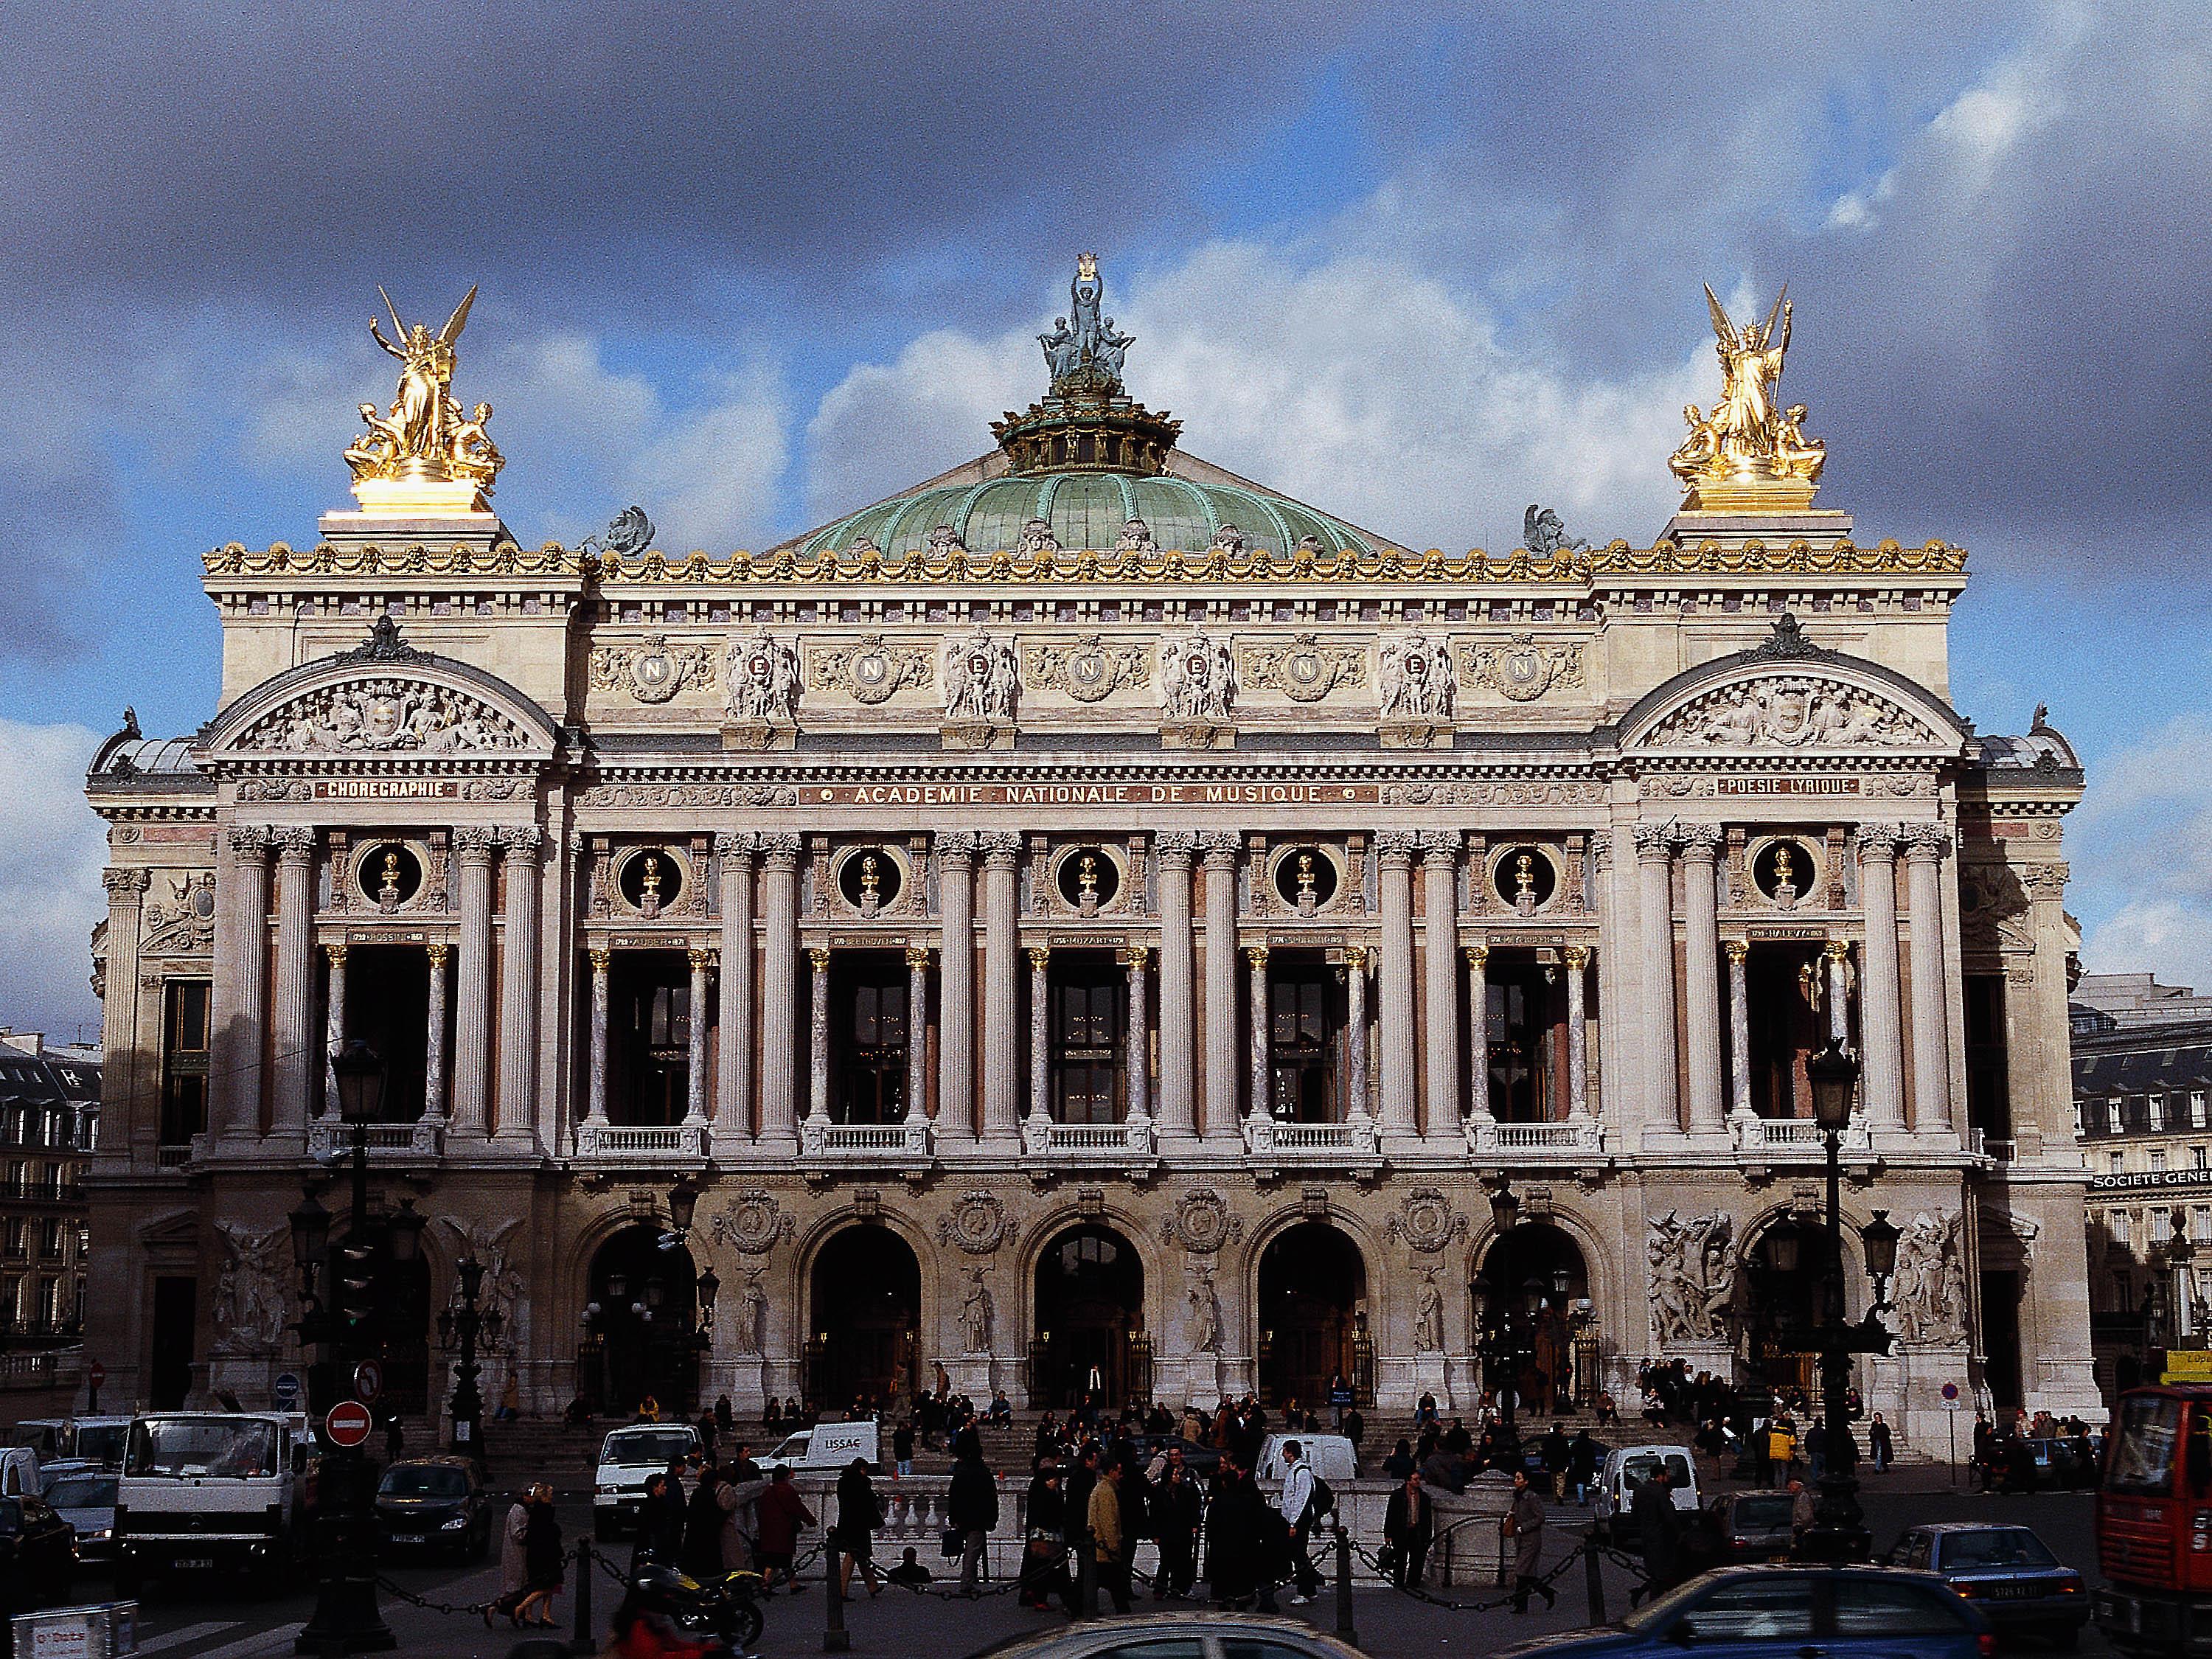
x=514 y=1567
x=858 y=1517
x=542 y=1559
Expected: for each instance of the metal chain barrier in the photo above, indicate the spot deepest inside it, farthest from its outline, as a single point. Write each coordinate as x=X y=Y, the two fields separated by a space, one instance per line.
x=1506 y=1600
x=474 y=1608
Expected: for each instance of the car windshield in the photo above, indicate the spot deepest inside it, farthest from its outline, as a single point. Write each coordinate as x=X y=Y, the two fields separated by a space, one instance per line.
x=792 y=1451
x=417 y=1480
x=1772 y=1510
x=102 y=1443
x=648 y=1446
x=1662 y=1614
x=2143 y=1444
x=82 y=1491
x=185 y=1446
x=1996 y=1546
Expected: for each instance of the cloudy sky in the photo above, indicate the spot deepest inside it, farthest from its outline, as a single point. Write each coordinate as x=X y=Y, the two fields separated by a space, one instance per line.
x=750 y=265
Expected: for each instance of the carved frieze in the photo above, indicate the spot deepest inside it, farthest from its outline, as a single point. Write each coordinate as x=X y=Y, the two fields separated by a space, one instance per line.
x=1502 y=792
x=1792 y=712
x=763 y=676
x=690 y=794
x=183 y=924
x=979 y=677
x=653 y=670
x=1198 y=677
x=1521 y=670
x=251 y=1288
x=1089 y=669
x=1303 y=669
x=1418 y=680
x=869 y=670
x=752 y=1223
x=383 y=716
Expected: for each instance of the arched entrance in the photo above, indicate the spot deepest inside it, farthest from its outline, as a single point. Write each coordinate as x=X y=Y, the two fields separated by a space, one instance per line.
x=866 y=1305
x=1785 y=1284
x=1090 y=1322
x=1313 y=1319
x=1533 y=1318
x=642 y=1332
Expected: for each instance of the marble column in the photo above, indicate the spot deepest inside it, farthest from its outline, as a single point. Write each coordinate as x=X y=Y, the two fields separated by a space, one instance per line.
x=1356 y=1108
x=1221 y=848
x=917 y=1034
x=955 y=985
x=296 y=1059
x=695 y=1056
x=1477 y=1033
x=1576 y=960
x=1881 y=1021
x=334 y=1030
x=1138 y=1062
x=595 y=1109
x=1655 y=851
x=238 y=1001
x=1259 y=1101
x=1701 y=987
x=817 y=1035
x=1739 y=953
x=1396 y=850
x=1002 y=1072
x=1040 y=1034
x=518 y=988
x=473 y=848
x=1172 y=852
x=1924 y=847
x=1838 y=954
x=778 y=1037
x=1440 y=851
x=733 y=1044
x=125 y=886
x=434 y=1036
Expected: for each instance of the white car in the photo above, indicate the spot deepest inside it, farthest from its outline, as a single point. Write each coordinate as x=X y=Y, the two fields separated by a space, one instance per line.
x=1627 y=1468
x=628 y=1458
x=1331 y=1456
x=828 y=1446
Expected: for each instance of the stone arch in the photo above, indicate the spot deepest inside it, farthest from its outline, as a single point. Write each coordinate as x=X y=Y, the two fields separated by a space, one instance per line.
x=1607 y=1263
x=1038 y=1235
x=865 y=1311
x=941 y=1278
x=1087 y=1292
x=1551 y=1368
x=1754 y=1283
x=1314 y=1280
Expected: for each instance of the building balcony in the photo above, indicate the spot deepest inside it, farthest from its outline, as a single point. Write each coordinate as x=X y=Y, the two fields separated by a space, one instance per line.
x=903 y=1147
x=388 y=1143
x=1572 y=1141
x=630 y=1144
x=1793 y=1140
x=1132 y=1146
x=1271 y=1144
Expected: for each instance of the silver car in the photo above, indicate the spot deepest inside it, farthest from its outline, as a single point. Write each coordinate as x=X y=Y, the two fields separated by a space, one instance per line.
x=1176 y=1636
x=86 y=1499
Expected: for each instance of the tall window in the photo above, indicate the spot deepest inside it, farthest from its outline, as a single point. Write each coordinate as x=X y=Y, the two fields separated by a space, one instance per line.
x=1988 y=1096
x=50 y=1238
x=184 y=1061
x=1519 y=1043
x=1087 y=1017
x=871 y=1074
x=2154 y=1112
x=1302 y=1019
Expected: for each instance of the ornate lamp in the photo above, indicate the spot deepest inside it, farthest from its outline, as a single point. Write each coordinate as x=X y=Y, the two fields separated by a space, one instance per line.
x=360 y=1076
x=1834 y=1075
x=710 y=1287
x=1505 y=1205
x=1878 y=1238
x=470 y=1271
x=683 y=1204
x=402 y=1232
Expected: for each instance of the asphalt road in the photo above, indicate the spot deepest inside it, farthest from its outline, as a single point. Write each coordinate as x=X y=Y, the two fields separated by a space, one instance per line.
x=208 y=1622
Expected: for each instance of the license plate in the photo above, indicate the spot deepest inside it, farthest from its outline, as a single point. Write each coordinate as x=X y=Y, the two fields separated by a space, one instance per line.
x=2013 y=1592
x=203 y=1563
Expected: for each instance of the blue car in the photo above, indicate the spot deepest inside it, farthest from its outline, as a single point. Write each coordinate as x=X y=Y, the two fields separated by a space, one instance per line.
x=2006 y=1571
x=1783 y=1612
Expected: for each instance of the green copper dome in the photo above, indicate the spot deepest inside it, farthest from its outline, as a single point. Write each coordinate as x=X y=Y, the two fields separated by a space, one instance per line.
x=1087 y=509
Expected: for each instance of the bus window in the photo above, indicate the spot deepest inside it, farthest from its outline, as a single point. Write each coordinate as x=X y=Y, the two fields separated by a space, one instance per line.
x=2144 y=1437
x=2199 y=1466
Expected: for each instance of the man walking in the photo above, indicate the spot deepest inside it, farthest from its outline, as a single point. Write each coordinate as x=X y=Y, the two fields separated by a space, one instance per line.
x=1525 y=1522
x=1176 y=1514
x=1108 y=1543
x=1657 y=1530
x=1409 y=1524
x=971 y=1507
x=1298 y=1515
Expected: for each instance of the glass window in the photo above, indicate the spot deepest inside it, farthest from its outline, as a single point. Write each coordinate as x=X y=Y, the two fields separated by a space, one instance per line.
x=1996 y=1546
x=2196 y=1109
x=423 y=1481
x=184 y=1061
x=640 y=1446
x=1779 y=1608
x=2154 y=1111
x=80 y=1492
x=2141 y=1458
x=1249 y=1647
x=1894 y=1606
x=205 y=1447
x=2196 y=1157
x=1916 y=1550
x=2158 y=1162
x=2117 y=1162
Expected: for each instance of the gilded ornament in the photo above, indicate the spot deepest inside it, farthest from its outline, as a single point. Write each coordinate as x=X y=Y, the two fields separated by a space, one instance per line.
x=426 y=456
x=1750 y=454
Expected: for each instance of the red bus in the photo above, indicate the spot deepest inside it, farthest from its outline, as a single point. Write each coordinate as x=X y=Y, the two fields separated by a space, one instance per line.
x=2154 y=1523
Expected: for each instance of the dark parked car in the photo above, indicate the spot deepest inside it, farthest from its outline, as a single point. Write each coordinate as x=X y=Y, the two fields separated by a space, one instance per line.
x=38 y=1555
x=1755 y=1526
x=2008 y=1573
x=435 y=1504
x=1783 y=1612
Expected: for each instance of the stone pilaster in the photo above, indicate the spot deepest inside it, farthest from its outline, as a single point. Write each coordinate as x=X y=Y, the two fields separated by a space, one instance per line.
x=1881 y=1022
x=519 y=989
x=694 y=1057
x=240 y=999
x=1173 y=851
x=434 y=1036
x=118 y=1010
x=296 y=1059
x=1220 y=847
x=1575 y=958
x=1925 y=844
x=1040 y=1034
x=1137 y=1061
x=1440 y=850
x=817 y=1035
x=1477 y=1033
x=473 y=847
x=1400 y=1114
x=1356 y=1107
x=1002 y=1075
x=1654 y=853
x=595 y=1111
x=1701 y=989
x=956 y=986
x=734 y=1063
x=779 y=1050
x=1258 y=1103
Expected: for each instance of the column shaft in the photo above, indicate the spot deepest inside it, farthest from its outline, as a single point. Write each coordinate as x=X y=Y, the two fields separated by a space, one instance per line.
x=956 y=986
x=472 y=849
x=817 y=1035
x=1260 y=1102
x=297 y=1061
x=1138 y=1060
x=1701 y=975
x=1576 y=960
x=1440 y=901
x=1400 y=1112
x=595 y=1110
x=1925 y=846
x=1656 y=924
x=733 y=1075
x=917 y=1033
x=434 y=1036
x=694 y=1057
x=1356 y=1108
x=334 y=1031
x=1477 y=1034
x=1002 y=1075
x=1174 y=850
x=1040 y=1034
x=518 y=988
x=1221 y=1127
x=1881 y=1021
x=1739 y=1030
x=1838 y=954
x=778 y=1037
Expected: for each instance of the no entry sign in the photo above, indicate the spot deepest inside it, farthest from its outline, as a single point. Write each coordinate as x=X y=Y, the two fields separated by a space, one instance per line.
x=348 y=1424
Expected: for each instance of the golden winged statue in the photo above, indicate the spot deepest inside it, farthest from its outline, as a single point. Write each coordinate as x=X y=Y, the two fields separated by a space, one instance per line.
x=1749 y=454
x=427 y=455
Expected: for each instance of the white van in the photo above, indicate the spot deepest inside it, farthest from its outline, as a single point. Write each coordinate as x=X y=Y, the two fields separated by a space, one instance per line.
x=628 y=1459
x=1331 y=1455
x=828 y=1447
x=1627 y=1468
x=205 y=1491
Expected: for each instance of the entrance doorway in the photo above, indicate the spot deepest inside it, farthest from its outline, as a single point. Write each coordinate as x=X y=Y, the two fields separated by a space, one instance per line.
x=867 y=1305
x=1090 y=1322
x=2000 y=1368
x=1787 y=1282
x=1313 y=1289
x=1532 y=1311
x=169 y=1378
x=644 y=1327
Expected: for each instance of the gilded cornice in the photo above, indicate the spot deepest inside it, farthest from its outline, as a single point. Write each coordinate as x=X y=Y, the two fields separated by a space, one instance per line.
x=784 y=566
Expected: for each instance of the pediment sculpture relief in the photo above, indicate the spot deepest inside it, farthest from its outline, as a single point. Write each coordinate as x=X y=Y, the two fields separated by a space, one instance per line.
x=383 y=715
x=1798 y=712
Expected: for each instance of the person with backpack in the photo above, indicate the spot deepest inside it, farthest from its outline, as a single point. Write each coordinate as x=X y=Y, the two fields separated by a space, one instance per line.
x=1306 y=1498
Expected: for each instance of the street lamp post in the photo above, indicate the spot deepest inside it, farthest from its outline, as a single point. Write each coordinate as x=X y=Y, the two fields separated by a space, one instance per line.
x=461 y=1326
x=1839 y=1531
x=346 y=1619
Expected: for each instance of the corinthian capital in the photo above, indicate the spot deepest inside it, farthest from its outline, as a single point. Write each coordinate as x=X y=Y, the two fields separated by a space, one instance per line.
x=1397 y=844
x=1877 y=841
x=737 y=843
x=1600 y=849
x=1221 y=846
x=1702 y=841
x=1441 y=846
x=524 y=839
x=474 y=842
x=780 y=848
x=1000 y=847
x=249 y=839
x=124 y=883
x=1175 y=846
x=295 y=843
x=1926 y=841
x=1655 y=842
x=956 y=846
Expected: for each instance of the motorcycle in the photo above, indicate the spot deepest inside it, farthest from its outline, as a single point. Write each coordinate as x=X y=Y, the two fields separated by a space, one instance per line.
x=725 y=1608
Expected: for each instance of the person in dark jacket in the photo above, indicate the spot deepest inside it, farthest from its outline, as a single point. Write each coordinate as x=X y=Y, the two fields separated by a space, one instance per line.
x=1243 y=1537
x=1409 y=1524
x=1044 y=1554
x=859 y=1515
x=1658 y=1527
x=1082 y=1476
x=1581 y=1465
x=971 y=1508
x=1399 y=1463
x=1177 y=1512
x=542 y=1560
x=703 y=1527
x=780 y=1514
x=1554 y=1450
x=660 y=1520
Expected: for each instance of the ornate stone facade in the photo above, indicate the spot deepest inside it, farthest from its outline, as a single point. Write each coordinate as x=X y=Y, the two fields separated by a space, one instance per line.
x=1095 y=968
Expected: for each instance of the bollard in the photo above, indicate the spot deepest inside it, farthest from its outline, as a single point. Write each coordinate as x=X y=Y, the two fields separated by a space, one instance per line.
x=1086 y=1568
x=834 y=1637
x=1345 y=1630
x=1593 y=1579
x=581 y=1642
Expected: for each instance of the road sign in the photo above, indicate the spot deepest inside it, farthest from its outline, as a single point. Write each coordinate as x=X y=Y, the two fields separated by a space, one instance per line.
x=348 y=1424
x=95 y=1374
x=368 y=1381
x=1950 y=1392
x=287 y=1390
x=1953 y=1404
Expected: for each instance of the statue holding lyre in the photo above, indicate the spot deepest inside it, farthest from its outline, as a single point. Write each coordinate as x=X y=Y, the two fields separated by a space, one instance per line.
x=427 y=455
x=1748 y=454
